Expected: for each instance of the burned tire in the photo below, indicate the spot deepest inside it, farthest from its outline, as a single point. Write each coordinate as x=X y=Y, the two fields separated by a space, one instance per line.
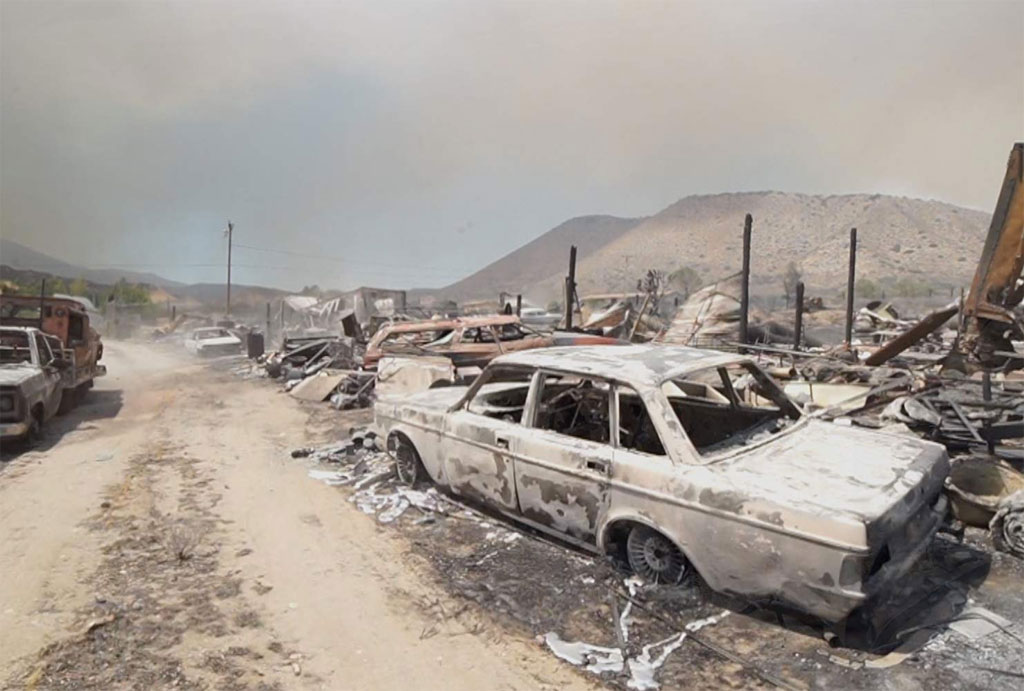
x=408 y=465
x=35 y=428
x=654 y=557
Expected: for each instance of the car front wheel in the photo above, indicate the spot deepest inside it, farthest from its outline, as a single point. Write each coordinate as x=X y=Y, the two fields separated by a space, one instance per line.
x=654 y=557
x=408 y=466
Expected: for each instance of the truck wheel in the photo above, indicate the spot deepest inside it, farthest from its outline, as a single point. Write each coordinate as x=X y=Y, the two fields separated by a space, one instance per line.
x=407 y=462
x=654 y=557
x=35 y=427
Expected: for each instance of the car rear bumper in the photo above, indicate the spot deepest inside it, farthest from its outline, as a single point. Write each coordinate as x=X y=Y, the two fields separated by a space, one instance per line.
x=835 y=604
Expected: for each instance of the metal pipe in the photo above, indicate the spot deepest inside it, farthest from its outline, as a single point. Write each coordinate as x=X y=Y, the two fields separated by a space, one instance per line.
x=745 y=281
x=850 y=285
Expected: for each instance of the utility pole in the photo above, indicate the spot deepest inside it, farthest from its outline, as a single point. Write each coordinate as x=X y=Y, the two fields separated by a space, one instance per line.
x=231 y=228
x=570 y=288
x=748 y=224
x=850 y=285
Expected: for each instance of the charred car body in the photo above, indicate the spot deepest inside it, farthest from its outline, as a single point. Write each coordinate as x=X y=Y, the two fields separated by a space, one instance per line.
x=468 y=342
x=30 y=382
x=75 y=347
x=213 y=341
x=684 y=460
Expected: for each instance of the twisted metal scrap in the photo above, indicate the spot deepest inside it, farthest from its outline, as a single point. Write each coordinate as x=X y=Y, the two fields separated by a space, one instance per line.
x=1007 y=525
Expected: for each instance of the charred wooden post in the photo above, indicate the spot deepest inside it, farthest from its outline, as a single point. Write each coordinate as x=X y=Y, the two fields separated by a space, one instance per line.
x=570 y=287
x=748 y=224
x=519 y=305
x=850 y=284
x=798 y=327
x=174 y=313
x=42 y=301
x=268 y=322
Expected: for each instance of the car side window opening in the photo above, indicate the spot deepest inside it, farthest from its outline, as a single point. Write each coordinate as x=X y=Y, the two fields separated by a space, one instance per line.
x=636 y=430
x=575 y=406
x=45 y=357
x=76 y=328
x=478 y=335
x=728 y=406
x=510 y=332
x=502 y=395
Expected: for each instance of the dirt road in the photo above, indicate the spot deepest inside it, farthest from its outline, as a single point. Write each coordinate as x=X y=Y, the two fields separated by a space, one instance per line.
x=160 y=538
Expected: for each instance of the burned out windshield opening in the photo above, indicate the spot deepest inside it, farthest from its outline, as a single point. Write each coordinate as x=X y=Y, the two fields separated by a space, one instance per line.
x=729 y=406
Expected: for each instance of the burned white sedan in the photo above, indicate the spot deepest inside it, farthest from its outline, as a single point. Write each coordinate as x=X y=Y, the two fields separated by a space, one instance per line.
x=680 y=460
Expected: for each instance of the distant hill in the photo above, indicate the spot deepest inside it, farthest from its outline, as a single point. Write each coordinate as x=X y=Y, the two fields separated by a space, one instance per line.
x=539 y=259
x=18 y=256
x=929 y=241
x=24 y=265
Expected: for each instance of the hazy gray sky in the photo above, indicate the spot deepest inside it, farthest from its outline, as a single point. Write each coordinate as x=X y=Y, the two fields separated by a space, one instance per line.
x=409 y=143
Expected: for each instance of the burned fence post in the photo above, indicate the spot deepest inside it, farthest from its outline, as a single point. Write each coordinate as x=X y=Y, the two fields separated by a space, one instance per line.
x=174 y=313
x=42 y=301
x=850 y=281
x=268 y=322
x=798 y=326
x=570 y=287
x=745 y=280
x=519 y=305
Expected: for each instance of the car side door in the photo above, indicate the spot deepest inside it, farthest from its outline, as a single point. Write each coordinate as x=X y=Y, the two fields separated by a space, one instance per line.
x=564 y=463
x=51 y=377
x=481 y=438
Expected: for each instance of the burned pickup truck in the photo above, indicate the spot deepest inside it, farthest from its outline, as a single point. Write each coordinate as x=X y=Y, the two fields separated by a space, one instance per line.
x=30 y=382
x=64 y=324
x=680 y=460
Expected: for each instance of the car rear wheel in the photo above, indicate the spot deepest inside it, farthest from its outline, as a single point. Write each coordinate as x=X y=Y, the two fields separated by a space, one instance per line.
x=407 y=462
x=654 y=558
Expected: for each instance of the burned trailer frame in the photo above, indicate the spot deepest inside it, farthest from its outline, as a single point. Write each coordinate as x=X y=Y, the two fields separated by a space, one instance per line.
x=817 y=516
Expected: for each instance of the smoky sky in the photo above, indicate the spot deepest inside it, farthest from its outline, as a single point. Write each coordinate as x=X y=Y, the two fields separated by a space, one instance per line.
x=409 y=143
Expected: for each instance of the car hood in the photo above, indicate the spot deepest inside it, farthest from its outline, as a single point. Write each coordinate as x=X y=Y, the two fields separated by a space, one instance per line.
x=16 y=374
x=821 y=468
x=223 y=340
x=440 y=399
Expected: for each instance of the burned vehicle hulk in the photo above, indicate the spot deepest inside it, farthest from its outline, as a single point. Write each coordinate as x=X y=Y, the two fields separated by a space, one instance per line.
x=30 y=382
x=468 y=341
x=680 y=460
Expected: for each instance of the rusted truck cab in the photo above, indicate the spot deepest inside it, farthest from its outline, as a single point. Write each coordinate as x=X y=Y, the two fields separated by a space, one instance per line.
x=68 y=321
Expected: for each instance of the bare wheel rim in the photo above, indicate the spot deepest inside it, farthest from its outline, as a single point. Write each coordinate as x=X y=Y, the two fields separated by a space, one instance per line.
x=405 y=463
x=654 y=558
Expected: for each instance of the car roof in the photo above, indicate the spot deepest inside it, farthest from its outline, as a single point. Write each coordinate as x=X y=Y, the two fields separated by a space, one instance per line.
x=443 y=324
x=638 y=364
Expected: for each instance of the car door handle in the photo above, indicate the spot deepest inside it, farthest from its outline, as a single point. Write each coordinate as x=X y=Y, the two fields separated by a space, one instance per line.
x=598 y=466
x=501 y=442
